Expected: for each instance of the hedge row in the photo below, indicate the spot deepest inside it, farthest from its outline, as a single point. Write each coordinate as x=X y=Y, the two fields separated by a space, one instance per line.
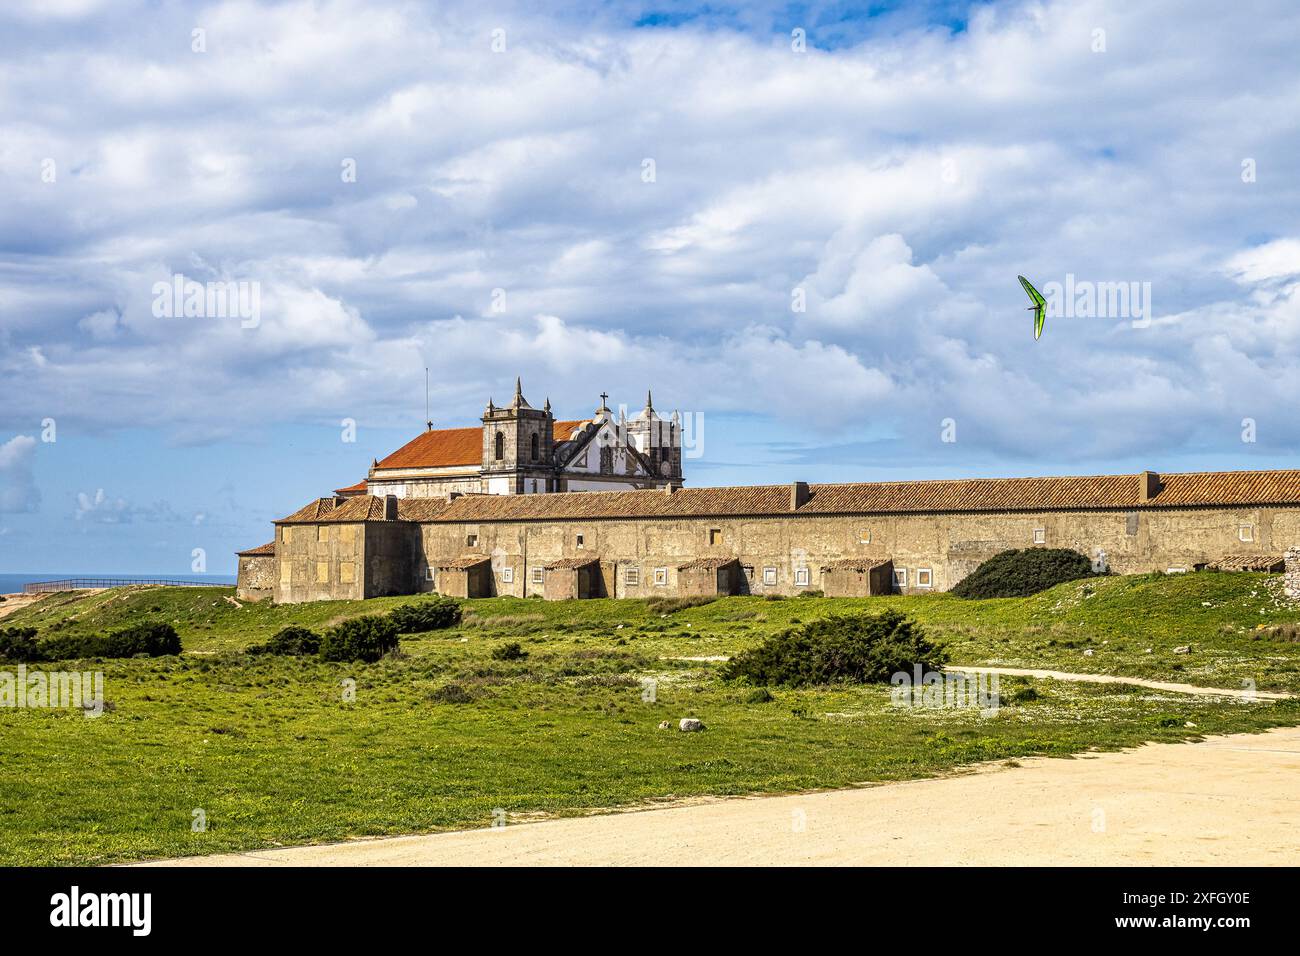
x=20 y=644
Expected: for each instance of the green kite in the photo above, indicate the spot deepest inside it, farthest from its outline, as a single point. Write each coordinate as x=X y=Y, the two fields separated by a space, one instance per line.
x=1039 y=308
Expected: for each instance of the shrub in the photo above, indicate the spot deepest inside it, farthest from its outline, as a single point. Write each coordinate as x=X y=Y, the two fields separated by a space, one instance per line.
x=432 y=614
x=1020 y=573
x=18 y=644
x=509 y=652
x=815 y=592
x=450 y=694
x=292 y=641
x=760 y=695
x=859 y=649
x=148 y=640
x=360 y=639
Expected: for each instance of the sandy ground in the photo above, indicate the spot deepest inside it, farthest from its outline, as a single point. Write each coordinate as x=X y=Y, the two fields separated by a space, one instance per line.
x=14 y=602
x=1224 y=801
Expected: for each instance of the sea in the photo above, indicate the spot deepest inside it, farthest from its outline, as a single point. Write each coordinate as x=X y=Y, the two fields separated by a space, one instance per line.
x=13 y=583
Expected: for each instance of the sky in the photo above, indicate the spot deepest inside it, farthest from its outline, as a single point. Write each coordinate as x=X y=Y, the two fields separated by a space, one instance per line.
x=802 y=223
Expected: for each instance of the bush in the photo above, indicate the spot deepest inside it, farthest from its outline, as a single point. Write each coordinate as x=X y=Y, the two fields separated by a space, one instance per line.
x=1020 y=573
x=18 y=644
x=360 y=639
x=859 y=649
x=509 y=652
x=670 y=605
x=292 y=641
x=451 y=694
x=433 y=614
x=760 y=695
x=148 y=640
x=815 y=592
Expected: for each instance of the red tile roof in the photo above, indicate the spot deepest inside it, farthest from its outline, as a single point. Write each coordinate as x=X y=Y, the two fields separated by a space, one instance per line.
x=360 y=486
x=581 y=561
x=1222 y=489
x=463 y=563
x=448 y=447
x=262 y=550
x=706 y=564
x=856 y=564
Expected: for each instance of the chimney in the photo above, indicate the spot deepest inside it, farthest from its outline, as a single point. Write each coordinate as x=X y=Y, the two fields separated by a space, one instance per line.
x=453 y=495
x=339 y=501
x=1148 y=486
x=798 y=494
x=390 y=507
x=670 y=488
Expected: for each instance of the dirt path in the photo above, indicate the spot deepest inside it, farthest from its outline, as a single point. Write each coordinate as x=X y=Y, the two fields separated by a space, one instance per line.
x=1223 y=801
x=1135 y=681
x=16 y=602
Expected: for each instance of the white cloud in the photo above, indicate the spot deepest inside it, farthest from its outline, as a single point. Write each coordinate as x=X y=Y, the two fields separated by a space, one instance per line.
x=18 y=490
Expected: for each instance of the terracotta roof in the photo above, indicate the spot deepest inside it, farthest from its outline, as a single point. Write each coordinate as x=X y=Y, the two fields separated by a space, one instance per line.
x=856 y=564
x=568 y=563
x=463 y=563
x=261 y=550
x=448 y=447
x=705 y=563
x=1249 y=562
x=1120 y=492
x=359 y=487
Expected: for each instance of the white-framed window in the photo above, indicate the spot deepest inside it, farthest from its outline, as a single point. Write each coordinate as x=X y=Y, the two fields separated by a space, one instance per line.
x=661 y=577
x=924 y=578
x=1246 y=532
x=428 y=574
x=801 y=577
x=769 y=576
x=900 y=578
x=1040 y=536
x=579 y=541
x=539 y=575
x=471 y=541
x=507 y=575
x=632 y=577
x=864 y=536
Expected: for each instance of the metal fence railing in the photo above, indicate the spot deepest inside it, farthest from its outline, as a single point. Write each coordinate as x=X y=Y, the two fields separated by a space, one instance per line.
x=75 y=584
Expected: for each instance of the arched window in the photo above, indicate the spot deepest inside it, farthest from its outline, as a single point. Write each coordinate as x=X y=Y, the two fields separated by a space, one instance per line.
x=534 y=447
x=501 y=446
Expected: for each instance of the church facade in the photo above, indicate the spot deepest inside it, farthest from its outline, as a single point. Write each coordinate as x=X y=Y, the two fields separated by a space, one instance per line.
x=597 y=508
x=521 y=450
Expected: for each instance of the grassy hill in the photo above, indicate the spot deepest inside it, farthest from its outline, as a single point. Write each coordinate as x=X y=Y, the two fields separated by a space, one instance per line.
x=443 y=735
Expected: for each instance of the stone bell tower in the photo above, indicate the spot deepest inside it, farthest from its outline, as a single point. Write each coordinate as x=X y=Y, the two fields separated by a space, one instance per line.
x=518 y=447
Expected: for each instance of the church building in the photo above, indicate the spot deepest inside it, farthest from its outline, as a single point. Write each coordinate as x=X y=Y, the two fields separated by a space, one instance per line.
x=522 y=450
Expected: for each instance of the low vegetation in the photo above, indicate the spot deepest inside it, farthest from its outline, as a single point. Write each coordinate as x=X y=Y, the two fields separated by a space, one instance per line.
x=541 y=707
x=21 y=645
x=1019 y=573
x=429 y=614
x=856 y=649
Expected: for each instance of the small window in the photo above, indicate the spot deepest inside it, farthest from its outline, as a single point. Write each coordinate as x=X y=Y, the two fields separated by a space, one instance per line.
x=533 y=449
x=715 y=536
x=1040 y=536
x=1246 y=533
x=632 y=577
x=769 y=576
x=580 y=540
x=924 y=578
x=661 y=577
x=801 y=577
x=900 y=578
x=471 y=541
x=748 y=571
x=864 y=536
x=507 y=575
x=428 y=574
x=500 y=447
x=538 y=576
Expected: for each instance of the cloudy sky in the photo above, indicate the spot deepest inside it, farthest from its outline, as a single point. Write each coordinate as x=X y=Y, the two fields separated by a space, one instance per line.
x=804 y=222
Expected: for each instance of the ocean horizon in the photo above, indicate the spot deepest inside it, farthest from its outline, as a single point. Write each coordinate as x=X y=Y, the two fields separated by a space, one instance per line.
x=12 y=582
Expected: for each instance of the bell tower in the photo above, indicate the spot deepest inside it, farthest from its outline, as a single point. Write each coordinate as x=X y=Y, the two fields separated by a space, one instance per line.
x=518 y=447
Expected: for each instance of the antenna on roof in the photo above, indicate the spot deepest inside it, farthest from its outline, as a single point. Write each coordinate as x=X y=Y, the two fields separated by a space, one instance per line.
x=428 y=421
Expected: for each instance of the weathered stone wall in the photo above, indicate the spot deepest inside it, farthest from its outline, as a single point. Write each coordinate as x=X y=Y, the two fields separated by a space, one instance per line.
x=256 y=577
x=950 y=546
x=1291 y=578
x=320 y=562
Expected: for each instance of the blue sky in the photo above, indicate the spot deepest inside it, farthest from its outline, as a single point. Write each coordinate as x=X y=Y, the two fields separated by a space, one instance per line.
x=893 y=176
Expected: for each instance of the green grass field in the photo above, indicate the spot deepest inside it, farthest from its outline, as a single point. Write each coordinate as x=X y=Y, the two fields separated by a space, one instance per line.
x=272 y=754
